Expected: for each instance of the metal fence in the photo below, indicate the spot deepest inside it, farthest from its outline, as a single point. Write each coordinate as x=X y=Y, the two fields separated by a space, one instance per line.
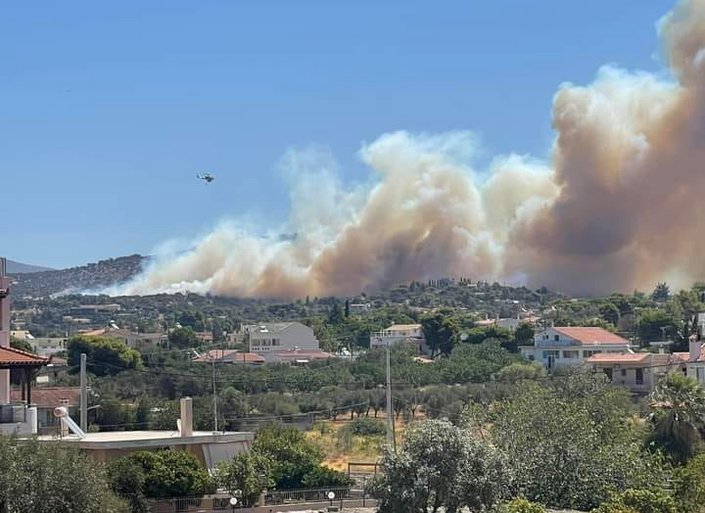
x=221 y=502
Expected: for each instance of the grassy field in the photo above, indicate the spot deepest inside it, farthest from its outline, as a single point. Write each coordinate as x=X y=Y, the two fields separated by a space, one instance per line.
x=341 y=447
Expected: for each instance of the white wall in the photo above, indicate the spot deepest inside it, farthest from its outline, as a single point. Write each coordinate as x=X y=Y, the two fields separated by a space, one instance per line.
x=295 y=335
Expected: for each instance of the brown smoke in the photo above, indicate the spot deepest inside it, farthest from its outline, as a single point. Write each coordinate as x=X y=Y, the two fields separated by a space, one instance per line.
x=618 y=208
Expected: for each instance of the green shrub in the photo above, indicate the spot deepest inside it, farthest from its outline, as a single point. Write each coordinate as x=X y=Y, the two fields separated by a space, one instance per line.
x=366 y=426
x=639 y=501
x=689 y=486
x=521 y=505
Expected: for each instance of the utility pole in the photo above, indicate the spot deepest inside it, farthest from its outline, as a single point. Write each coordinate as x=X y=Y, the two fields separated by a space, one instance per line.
x=215 y=401
x=84 y=395
x=390 y=411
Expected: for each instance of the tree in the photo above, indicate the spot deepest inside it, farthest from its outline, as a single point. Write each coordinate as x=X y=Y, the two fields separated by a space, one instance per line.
x=610 y=313
x=249 y=472
x=292 y=454
x=519 y=371
x=440 y=466
x=678 y=416
x=654 y=324
x=169 y=473
x=105 y=356
x=440 y=332
x=568 y=444
x=689 y=486
x=524 y=334
x=661 y=293
x=183 y=338
x=126 y=478
x=639 y=501
x=52 y=477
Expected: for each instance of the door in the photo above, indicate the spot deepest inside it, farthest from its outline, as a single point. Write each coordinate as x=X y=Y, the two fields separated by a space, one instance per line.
x=551 y=362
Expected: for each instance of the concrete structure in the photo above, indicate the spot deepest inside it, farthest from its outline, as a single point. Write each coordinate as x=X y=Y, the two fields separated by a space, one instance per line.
x=565 y=346
x=130 y=338
x=279 y=336
x=48 y=346
x=639 y=372
x=46 y=400
x=411 y=334
x=209 y=448
x=15 y=418
x=288 y=342
x=359 y=308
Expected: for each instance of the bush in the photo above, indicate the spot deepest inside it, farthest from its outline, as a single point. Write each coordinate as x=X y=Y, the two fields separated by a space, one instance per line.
x=365 y=426
x=639 y=501
x=324 y=477
x=521 y=506
x=689 y=486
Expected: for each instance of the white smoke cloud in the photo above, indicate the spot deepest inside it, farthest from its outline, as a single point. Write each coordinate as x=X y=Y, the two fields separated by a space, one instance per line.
x=617 y=205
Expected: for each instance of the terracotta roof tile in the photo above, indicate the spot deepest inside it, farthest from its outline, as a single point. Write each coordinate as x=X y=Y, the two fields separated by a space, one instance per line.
x=51 y=397
x=592 y=336
x=618 y=358
x=12 y=356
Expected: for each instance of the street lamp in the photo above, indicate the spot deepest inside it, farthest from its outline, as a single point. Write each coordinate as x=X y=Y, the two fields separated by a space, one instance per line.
x=233 y=502
x=331 y=496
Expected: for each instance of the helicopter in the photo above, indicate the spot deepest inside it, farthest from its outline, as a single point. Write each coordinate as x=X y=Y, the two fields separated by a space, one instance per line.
x=206 y=177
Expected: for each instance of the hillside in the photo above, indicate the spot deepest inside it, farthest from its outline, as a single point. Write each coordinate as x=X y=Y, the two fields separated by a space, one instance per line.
x=91 y=276
x=20 y=268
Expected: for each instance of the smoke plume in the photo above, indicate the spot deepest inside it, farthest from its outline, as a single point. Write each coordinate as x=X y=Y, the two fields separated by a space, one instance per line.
x=617 y=207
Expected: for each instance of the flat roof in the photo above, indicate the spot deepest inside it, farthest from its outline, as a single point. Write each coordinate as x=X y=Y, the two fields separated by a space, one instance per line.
x=146 y=439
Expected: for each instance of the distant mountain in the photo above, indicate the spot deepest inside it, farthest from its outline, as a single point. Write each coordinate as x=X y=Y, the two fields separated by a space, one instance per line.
x=19 y=268
x=90 y=276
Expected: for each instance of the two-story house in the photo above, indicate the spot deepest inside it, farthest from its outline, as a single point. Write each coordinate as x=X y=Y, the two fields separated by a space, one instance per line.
x=557 y=347
x=290 y=342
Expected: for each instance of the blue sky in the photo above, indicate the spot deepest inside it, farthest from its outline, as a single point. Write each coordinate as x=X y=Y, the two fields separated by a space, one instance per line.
x=107 y=110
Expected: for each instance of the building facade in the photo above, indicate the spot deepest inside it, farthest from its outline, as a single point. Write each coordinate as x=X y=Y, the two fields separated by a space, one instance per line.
x=558 y=347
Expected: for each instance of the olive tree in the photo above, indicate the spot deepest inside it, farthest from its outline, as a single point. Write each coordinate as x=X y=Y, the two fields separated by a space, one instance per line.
x=52 y=477
x=440 y=466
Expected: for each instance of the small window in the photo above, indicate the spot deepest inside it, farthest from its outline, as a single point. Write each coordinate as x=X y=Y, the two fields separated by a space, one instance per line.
x=556 y=337
x=624 y=372
x=639 y=376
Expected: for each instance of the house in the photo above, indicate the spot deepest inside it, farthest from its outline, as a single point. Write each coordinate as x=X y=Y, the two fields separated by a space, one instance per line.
x=48 y=346
x=18 y=418
x=228 y=356
x=46 y=399
x=411 y=334
x=695 y=359
x=639 y=372
x=359 y=308
x=130 y=338
x=288 y=342
x=557 y=347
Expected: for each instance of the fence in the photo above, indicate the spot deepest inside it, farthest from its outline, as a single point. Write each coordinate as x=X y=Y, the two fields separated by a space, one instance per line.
x=221 y=501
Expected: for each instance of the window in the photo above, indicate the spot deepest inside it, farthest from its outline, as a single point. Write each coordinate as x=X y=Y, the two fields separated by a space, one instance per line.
x=549 y=354
x=591 y=352
x=624 y=372
x=556 y=337
x=639 y=376
x=571 y=354
x=608 y=373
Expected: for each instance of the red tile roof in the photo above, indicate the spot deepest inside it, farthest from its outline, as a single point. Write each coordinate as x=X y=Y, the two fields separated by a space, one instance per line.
x=229 y=355
x=51 y=397
x=15 y=357
x=618 y=358
x=592 y=336
x=302 y=354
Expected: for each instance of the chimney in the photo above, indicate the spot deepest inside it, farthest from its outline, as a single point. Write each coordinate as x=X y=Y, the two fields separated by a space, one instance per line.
x=695 y=346
x=186 y=416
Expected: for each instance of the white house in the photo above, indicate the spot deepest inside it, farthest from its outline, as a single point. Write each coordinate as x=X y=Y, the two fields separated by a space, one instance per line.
x=562 y=346
x=397 y=334
x=290 y=342
x=639 y=372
